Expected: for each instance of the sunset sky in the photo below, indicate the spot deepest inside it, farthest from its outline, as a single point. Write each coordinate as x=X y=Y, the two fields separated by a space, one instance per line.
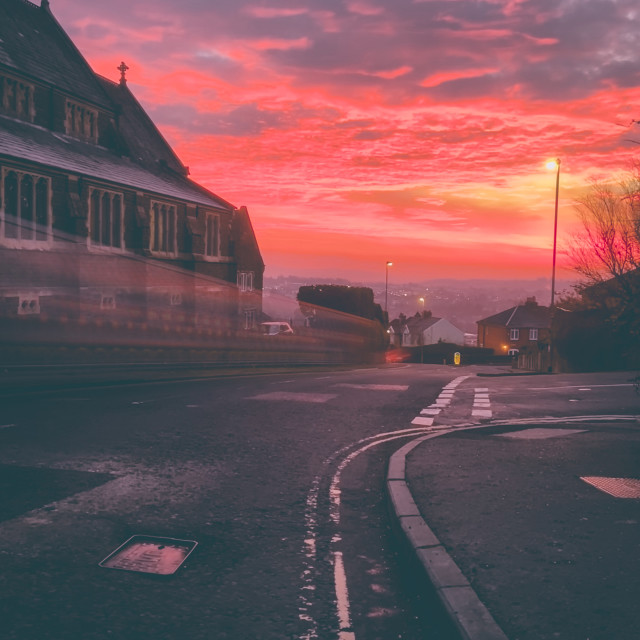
x=358 y=132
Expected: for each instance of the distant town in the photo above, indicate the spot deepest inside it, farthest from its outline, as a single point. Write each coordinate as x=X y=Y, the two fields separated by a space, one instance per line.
x=461 y=302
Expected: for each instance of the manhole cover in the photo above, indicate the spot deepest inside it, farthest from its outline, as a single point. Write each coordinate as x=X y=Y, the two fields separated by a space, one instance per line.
x=616 y=487
x=147 y=554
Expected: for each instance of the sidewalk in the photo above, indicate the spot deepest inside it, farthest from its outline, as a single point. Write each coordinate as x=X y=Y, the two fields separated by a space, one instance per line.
x=516 y=543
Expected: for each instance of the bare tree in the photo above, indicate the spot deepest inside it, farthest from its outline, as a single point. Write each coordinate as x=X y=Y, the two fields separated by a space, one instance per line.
x=608 y=249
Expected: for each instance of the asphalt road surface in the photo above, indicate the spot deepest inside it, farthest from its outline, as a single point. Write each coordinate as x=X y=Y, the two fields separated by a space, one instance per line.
x=279 y=479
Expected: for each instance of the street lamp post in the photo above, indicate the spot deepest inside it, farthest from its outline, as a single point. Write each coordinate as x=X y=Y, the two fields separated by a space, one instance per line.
x=386 y=290
x=421 y=301
x=554 y=164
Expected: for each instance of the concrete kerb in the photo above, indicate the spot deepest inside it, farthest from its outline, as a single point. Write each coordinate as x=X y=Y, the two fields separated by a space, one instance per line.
x=470 y=617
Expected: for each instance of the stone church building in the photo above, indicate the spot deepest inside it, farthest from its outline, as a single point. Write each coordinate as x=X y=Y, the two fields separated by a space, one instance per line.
x=101 y=228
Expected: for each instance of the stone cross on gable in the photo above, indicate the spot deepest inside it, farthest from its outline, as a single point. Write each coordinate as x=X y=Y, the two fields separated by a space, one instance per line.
x=123 y=69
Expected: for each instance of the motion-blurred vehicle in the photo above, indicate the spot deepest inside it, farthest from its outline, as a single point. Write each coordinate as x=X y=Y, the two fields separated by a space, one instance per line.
x=276 y=328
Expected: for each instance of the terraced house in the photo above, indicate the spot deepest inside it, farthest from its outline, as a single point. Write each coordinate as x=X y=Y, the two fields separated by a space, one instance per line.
x=100 y=223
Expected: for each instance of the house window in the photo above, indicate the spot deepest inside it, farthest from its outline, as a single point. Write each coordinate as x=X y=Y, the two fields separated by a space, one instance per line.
x=514 y=334
x=245 y=280
x=212 y=240
x=533 y=334
x=163 y=228
x=25 y=217
x=16 y=99
x=81 y=122
x=105 y=219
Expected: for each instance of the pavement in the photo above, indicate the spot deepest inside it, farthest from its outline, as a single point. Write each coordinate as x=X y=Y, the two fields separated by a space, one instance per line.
x=516 y=531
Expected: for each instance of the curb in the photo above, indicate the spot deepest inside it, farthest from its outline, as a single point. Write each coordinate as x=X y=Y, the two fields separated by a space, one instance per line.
x=470 y=617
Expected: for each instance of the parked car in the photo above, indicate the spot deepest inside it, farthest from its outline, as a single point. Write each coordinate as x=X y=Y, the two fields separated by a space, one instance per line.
x=276 y=328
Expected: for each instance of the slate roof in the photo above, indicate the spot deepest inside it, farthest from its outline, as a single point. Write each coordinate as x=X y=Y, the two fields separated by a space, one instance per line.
x=58 y=151
x=145 y=144
x=523 y=316
x=33 y=44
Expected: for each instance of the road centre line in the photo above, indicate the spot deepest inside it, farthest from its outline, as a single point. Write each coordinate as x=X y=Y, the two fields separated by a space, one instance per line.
x=309 y=549
x=340 y=581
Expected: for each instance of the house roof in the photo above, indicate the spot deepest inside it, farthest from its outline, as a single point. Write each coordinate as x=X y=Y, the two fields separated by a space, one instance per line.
x=421 y=324
x=529 y=315
x=33 y=144
x=32 y=43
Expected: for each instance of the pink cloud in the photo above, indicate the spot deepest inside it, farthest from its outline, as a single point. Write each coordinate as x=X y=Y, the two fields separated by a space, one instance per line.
x=381 y=127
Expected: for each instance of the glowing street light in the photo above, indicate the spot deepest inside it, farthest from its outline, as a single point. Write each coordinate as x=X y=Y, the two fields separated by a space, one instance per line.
x=551 y=165
x=386 y=289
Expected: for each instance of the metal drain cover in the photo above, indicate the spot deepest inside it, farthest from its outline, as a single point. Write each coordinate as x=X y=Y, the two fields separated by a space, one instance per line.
x=149 y=554
x=616 y=487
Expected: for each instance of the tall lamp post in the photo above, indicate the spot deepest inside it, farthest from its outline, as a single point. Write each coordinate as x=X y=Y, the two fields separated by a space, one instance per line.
x=554 y=164
x=386 y=290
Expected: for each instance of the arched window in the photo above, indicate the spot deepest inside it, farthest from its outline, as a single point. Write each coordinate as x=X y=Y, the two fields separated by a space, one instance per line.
x=163 y=228
x=105 y=218
x=24 y=208
x=117 y=222
x=16 y=98
x=42 y=208
x=81 y=121
x=245 y=280
x=212 y=238
x=11 y=205
x=155 y=221
x=94 y=218
x=105 y=235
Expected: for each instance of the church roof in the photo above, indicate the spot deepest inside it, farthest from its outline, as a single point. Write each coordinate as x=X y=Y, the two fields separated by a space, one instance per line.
x=33 y=44
x=145 y=144
x=58 y=151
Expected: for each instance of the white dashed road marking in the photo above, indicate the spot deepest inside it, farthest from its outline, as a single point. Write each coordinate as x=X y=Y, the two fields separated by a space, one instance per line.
x=481 y=404
x=294 y=397
x=374 y=387
x=425 y=422
x=442 y=402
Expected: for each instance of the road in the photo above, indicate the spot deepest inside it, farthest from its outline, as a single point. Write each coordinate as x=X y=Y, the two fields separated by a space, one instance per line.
x=278 y=478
